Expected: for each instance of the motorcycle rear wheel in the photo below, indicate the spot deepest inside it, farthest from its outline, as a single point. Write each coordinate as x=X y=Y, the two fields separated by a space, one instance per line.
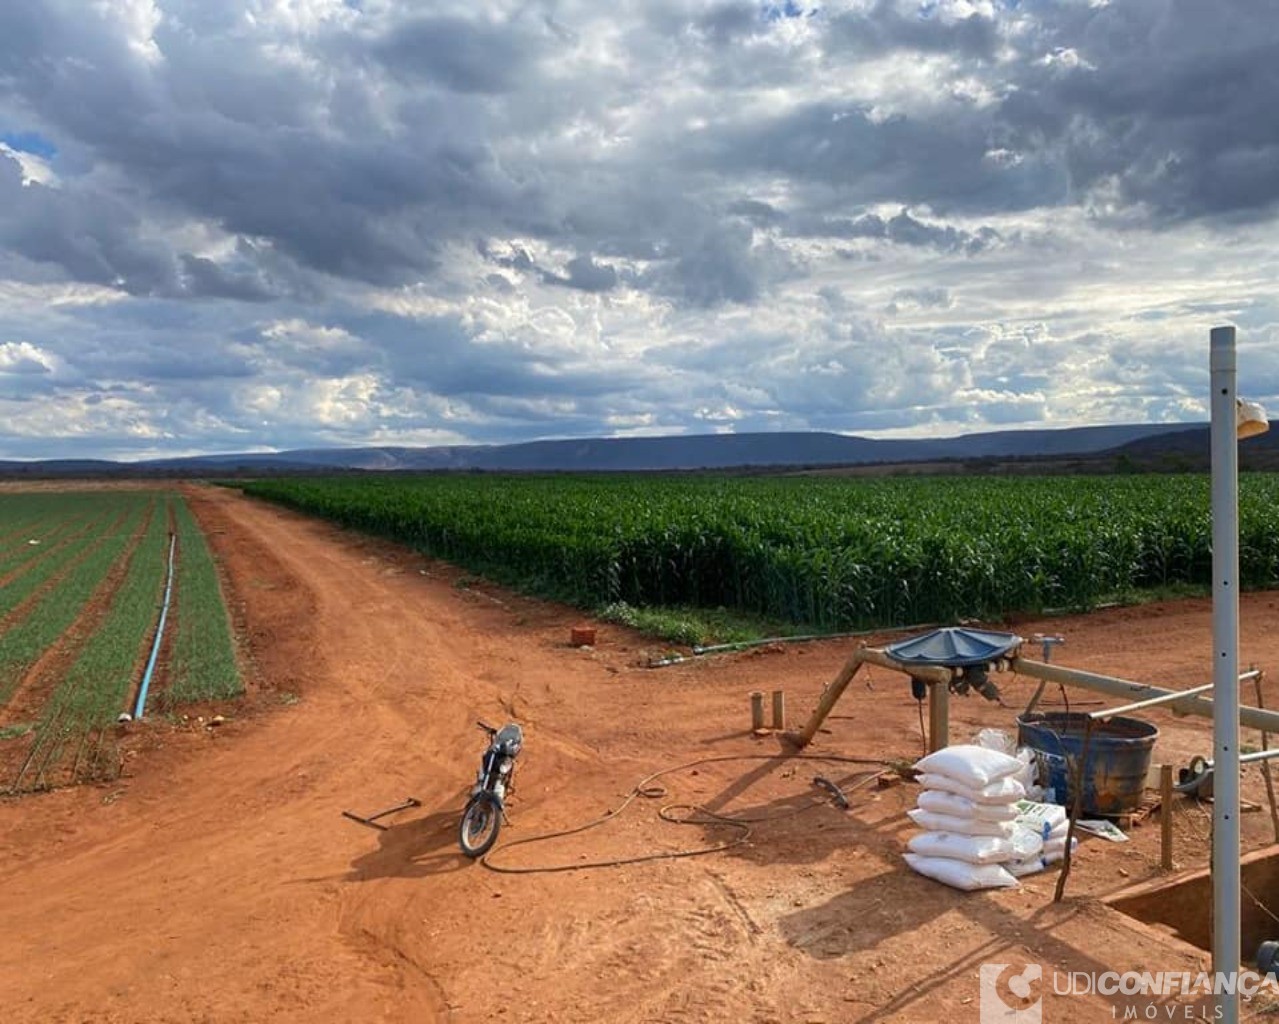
x=480 y=824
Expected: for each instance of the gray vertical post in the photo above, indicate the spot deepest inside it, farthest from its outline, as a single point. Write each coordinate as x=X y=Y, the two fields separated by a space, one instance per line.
x=1225 y=657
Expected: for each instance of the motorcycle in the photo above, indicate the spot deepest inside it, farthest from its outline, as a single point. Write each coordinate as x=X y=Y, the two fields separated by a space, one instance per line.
x=486 y=807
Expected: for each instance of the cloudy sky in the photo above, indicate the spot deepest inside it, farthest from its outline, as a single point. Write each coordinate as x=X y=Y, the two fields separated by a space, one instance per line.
x=231 y=225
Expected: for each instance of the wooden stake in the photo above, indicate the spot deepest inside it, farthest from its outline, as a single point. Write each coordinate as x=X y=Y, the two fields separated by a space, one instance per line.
x=1074 y=812
x=835 y=688
x=757 y=710
x=1165 y=816
x=779 y=709
x=1265 y=767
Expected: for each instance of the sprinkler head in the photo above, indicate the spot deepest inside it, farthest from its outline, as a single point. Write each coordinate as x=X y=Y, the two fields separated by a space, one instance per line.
x=976 y=677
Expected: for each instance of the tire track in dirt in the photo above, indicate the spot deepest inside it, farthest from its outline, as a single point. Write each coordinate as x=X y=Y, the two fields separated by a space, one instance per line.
x=41 y=680
x=268 y=599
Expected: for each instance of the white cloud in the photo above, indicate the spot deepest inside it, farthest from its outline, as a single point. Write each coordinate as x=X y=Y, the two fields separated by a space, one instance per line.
x=279 y=223
x=21 y=358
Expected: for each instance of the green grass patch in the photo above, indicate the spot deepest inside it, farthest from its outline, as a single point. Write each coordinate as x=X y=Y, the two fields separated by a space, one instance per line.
x=700 y=627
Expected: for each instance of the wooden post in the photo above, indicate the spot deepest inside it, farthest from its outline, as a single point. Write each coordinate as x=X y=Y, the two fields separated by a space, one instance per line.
x=938 y=716
x=1165 y=816
x=757 y=710
x=779 y=709
x=1265 y=766
x=1076 y=806
x=835 y=688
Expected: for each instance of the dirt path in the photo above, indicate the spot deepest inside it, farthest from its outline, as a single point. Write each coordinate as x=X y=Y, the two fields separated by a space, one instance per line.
x=218 y=882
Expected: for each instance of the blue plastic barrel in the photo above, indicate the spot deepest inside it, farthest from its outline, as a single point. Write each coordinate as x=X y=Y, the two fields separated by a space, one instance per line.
x=1118 y=759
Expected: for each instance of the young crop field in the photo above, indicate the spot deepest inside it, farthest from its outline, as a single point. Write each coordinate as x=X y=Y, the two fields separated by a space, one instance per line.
x=83 y=576
x=831 y=553
x=203 y=658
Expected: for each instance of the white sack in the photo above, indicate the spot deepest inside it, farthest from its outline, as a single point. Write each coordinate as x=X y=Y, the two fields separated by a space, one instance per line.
x=959 y=875
x=1021 y=868
x=1055 y=849
x=1048 y=819
x=1026 y=842
x=963 y=826
x=1003 y=791
x=970 y=764
x=996 y=739
x=970 y=849
x=940 y=802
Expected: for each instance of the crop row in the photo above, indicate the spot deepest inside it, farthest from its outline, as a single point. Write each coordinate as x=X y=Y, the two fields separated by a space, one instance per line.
x=61 y=584
x=97 y=685
x=836 y=553
x=203 y=663
x=78 y=612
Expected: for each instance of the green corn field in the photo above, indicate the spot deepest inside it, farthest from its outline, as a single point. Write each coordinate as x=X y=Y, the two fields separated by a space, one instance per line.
x=836 y=553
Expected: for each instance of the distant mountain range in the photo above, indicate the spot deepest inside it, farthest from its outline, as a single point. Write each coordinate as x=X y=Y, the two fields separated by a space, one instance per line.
x=1141 y=442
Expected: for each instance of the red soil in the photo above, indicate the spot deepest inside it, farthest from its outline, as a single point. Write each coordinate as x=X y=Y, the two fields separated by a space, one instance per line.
x=218 y=881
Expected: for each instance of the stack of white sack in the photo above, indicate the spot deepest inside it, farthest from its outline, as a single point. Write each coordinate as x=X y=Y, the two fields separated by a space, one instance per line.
x=968 y=812
x=1047 y=823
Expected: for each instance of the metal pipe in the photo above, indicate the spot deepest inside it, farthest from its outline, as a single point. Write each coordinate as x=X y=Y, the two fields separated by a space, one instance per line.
x=1253 y=718
x=1226 y=940
x=1254 y=757
x=742 y=645
x=1105 y=715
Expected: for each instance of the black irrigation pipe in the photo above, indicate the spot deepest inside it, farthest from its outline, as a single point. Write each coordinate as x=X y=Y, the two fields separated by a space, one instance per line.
x=698 y=652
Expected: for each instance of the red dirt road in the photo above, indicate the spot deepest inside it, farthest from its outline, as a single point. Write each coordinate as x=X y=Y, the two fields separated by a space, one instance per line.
x=217 y=881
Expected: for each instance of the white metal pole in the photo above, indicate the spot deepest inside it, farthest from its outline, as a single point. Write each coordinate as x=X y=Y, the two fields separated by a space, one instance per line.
x=1225 y=656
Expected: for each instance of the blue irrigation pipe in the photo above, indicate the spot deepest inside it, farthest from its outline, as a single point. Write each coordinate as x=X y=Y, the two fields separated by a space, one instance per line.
x=140 y=706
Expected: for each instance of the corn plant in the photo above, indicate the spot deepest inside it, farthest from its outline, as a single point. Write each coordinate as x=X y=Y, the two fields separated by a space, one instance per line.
x=836 y=553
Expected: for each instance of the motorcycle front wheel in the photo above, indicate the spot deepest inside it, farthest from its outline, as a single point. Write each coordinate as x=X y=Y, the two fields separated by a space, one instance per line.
x=479 y=827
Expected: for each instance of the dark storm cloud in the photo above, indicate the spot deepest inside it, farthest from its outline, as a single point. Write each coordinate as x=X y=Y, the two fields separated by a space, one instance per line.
x=730 y=22
x=585 y=275
x=901 y=229
x=94 y=237
x=758 y=213
x=1176 y=100
x=464 y=56
x=207 y=278
x=722 y=265
x=887 y=26
x=581 y=272
x=211 y=133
